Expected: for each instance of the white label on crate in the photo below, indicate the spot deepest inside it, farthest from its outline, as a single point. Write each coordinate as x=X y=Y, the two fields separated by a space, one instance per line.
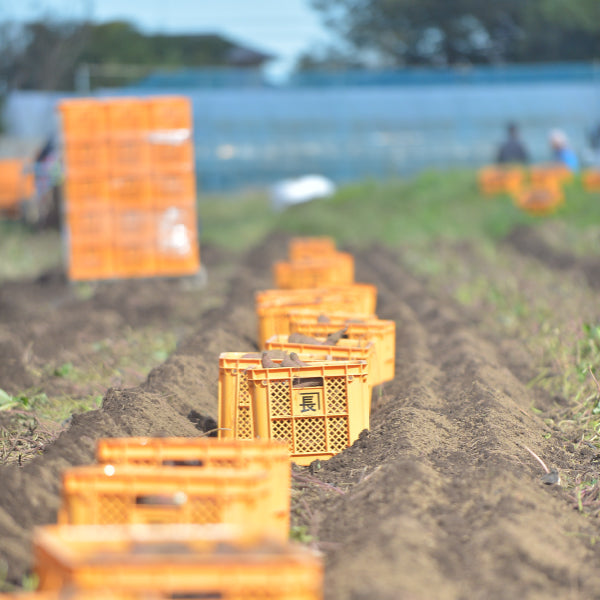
x=172 y=137
x=173 y=235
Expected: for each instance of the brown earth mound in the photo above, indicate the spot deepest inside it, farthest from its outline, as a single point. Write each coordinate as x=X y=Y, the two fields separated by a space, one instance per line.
x=440 y=499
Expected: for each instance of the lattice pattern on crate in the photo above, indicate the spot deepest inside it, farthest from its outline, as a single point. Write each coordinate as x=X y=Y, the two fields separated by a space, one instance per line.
x=112 y=510
x=245 y=429
x=244 y=397
x=280 y=398
x=337 y=433
x=281 y=429
x=205 y=510
x=310 y=435
x=335 y=392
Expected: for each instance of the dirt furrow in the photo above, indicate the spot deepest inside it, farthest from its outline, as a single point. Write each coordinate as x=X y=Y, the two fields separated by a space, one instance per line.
x=454 y=506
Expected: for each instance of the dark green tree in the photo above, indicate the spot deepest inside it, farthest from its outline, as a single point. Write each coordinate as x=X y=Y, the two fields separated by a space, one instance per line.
x=439 y=32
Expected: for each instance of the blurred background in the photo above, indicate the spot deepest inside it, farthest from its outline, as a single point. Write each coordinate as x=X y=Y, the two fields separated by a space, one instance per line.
x=280 y=89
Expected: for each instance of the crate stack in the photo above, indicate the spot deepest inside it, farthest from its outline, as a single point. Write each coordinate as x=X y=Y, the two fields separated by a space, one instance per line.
x=130 y=188
x=176 y=518
x=538 y=190
x=321 y=316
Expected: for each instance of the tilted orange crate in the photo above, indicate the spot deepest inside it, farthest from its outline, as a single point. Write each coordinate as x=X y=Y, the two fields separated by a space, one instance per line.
x=495 y=180
x=541 y=200
x=104 y=495
x=381 y=332
x=591 y=180
x=548 y=174
x=210 y=453
x=127 y=118
x=319 y=409
x=335 y=269
x=346 y=349
x=300 y=248
x=235 y=404
x=273 y=306
x=173 y=562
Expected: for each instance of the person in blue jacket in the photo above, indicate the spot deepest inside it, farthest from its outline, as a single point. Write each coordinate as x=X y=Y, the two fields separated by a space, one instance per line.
x=561 y=151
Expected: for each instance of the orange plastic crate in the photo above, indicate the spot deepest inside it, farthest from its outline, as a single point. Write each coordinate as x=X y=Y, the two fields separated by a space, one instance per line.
x=173 y=563
x=89 y=226
x=86 y=158
x=274 y=306
x=134 y=260
x=171 y=155
x=15 y=184
x=71 y=593
x=83 y=118
x=128 y=157
x=319 y=409
x=113 y=495
x=549 y=175
x=300 y=248
x=131 y=191
x=496 y=180
x=210 y=453
x=336 y=269
x=170 y=113
x=591 y=180
x=87 y=193
x=347 y=350
x=127 y=117
x=541 y=200
x=175 y=189
x=89 y=261
x=235 y=406
x=381 y=333
x=134 y=227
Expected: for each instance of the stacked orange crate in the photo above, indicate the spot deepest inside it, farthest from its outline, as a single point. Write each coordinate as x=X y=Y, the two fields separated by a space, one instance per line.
x=173 y=185
x=130 y=187
x=88 y=225
x=129 y=169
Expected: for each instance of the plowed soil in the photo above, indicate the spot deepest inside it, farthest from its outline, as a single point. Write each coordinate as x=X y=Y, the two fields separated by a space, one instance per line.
x=440 y=499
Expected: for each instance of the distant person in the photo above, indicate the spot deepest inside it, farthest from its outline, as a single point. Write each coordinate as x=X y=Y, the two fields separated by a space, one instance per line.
x=561 y=151
x=512 y=149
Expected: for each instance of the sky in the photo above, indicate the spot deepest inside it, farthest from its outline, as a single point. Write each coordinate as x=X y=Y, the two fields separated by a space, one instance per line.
x=281 y=27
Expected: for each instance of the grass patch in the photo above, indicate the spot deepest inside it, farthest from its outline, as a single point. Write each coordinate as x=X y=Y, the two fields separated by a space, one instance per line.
x=27 y=253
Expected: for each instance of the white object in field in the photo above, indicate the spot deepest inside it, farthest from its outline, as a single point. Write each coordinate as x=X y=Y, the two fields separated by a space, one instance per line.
x=173 y=234
x=288 y=192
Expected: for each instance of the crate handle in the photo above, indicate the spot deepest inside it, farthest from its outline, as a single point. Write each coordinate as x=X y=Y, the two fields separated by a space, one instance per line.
x=307 y=382
x=161 y=500
x=196 y=596
x=192 y=462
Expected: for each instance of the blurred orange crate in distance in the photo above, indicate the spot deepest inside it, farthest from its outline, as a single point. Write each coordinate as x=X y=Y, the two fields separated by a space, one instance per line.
x=591 y=180
x=169 y=113
x=145 y=563
x=139 y=169
x=15 y=184
x=83 y=118
x=89 y=260
x=542 y=199
x=129 y=157
x=89 y=226
x=334 y=269
x=300 y=248
x=127 y=118
x=495 y=180
x=87 y=193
